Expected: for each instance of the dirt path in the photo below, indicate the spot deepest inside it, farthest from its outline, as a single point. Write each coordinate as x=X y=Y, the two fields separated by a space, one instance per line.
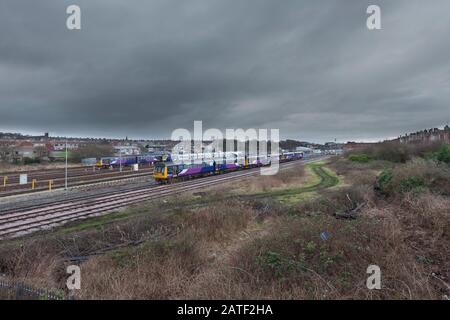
x=326 y=180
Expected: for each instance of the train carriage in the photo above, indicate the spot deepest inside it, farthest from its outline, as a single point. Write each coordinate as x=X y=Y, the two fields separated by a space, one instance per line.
x=168 y=171
x=106 y=162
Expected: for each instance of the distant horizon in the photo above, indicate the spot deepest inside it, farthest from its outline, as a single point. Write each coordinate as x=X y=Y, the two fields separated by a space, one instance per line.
x=75 y=136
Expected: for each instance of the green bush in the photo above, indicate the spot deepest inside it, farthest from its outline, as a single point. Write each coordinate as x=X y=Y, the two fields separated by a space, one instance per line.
x=412 y=183
x=270 y=258
x=31 y=160
x=384 y=179
x=361 y=158
x=443 y=154
x=401 y=180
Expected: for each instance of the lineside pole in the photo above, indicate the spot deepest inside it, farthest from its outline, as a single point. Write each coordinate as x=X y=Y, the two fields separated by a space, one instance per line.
x=120 y=160
x=65 y=178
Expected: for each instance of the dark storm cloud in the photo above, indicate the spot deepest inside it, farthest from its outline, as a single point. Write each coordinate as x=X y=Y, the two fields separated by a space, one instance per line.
x=144 y=68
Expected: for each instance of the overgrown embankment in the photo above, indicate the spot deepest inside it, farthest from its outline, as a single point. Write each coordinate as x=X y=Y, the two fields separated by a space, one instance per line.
x=262 y=238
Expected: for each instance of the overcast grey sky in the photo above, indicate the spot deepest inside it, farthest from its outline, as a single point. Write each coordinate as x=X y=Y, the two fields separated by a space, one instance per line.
x=144 y=68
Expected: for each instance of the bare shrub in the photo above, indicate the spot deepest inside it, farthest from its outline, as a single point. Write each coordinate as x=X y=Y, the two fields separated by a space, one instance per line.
x=219 y=222
x=156 y=270
x=395 y=151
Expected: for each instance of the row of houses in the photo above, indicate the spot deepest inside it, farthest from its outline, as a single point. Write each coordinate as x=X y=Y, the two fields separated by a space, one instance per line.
x=14 y=151
x=15 y=148
x=427 y=136
x=329 y=148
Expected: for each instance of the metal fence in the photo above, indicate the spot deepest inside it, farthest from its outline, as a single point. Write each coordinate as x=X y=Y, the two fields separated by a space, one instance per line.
x=21 y=291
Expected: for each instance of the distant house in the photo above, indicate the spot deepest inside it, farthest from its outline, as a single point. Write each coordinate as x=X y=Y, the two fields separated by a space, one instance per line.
x=61 y=146
x=332 y=148
x=305 y=150
x=352 y=146
x=127 y=150
x=157 y=147
x=25 y=149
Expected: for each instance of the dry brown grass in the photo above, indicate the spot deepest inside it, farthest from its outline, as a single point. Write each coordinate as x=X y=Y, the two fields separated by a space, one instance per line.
x=8 y=167
x=177 y=246
x=359 y=173
x=157 y=270
x=408 y=242
x=169 y=268
x=286 y=178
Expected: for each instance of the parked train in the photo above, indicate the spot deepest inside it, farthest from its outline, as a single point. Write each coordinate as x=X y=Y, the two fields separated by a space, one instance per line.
x=106 y=162
x=168 y=172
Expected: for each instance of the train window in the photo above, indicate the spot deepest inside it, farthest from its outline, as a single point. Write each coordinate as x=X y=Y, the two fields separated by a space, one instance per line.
x=159 y=168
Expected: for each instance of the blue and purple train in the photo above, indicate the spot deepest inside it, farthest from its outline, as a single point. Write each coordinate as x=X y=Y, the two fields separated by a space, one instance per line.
x=106 y=162
x=168 y=172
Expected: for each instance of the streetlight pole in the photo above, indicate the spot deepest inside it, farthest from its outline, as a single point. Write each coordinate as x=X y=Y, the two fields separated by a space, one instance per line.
x=120 y=160
x=65 y=180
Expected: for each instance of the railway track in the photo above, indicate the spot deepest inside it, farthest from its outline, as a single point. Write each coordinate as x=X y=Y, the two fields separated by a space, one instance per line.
x=14 y=177
x=74 y=180
x=20 y=221
x=40 y=171
x=45 y=174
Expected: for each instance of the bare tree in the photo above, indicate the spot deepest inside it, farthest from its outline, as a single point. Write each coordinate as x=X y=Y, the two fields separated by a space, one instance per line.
x=6 y=152
x=92 y=151
x=41 y=152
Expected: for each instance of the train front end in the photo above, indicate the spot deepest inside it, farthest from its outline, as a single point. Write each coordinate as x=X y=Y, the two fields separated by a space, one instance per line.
x=160 y=172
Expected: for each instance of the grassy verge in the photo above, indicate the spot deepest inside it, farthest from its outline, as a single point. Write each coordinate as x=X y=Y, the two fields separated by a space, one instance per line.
x=320 y=178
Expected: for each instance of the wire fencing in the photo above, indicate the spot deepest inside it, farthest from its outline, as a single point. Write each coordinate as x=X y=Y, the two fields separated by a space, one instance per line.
x=20 y=291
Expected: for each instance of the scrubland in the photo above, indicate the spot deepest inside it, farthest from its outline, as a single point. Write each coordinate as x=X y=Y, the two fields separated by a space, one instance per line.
x=264 y=238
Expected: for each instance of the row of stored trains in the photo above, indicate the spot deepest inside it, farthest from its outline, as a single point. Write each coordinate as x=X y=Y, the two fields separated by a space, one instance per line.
x=171 y=168
x=169 y=172
x=108 y=162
